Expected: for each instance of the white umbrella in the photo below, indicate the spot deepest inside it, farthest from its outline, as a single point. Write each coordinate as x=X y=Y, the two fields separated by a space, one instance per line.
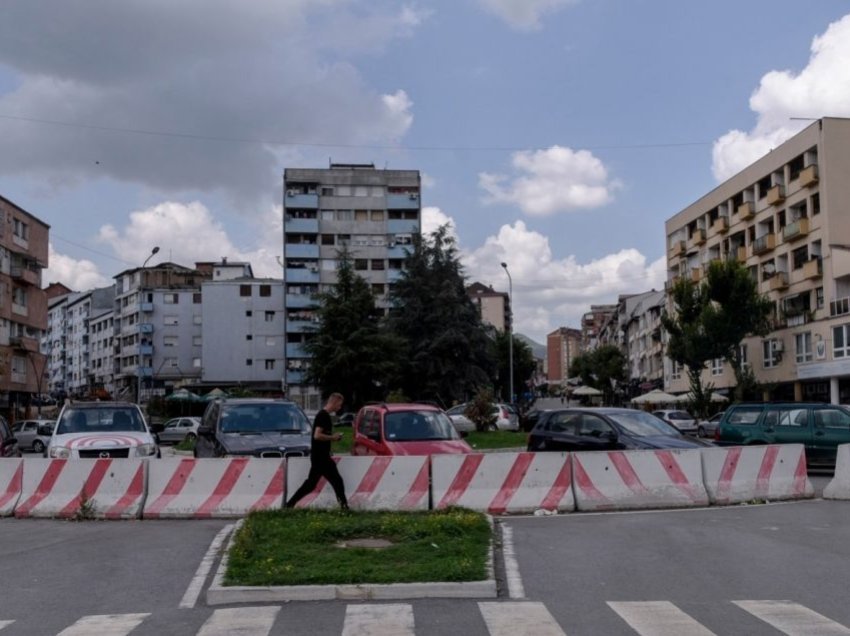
x=656 y=396
x=586 y=390
x=715 y=397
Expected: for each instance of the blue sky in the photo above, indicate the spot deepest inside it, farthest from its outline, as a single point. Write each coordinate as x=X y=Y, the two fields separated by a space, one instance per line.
x=555 y=135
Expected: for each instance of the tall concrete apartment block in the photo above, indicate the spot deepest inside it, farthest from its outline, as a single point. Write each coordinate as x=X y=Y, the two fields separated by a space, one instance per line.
x=494 y=307
x=23 y=304
x=374 y=213
x=562 y=346
x=786 y=218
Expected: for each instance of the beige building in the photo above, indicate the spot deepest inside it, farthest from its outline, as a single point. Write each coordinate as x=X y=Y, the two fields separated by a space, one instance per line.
x=786 y=218
x=493 y=306
x=562 y=346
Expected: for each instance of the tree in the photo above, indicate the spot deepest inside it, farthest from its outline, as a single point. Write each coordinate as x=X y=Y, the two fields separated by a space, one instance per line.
x=601 y=368
x=447 y=354
x=480 y=410
x=351 y=354
x=524 y=364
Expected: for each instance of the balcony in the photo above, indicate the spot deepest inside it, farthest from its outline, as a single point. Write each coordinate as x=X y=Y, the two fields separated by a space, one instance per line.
x=776 y=195
x=23 y=343
x=405 y=201
x=795 y=230
x=808 y=177
x=302 y=226
x=25 y=275
x=307 y=201
x=813 y=268
x=697 y=238
x=301 y=250
x=145 y=372
x=300 y=326
x=720 y=225
x=302 y=275
x=295 y=350
x=741 y=253
x=403 y=226
x=394 y=275
x=778 y=281
x=696 y=274
x=299 y=301
x=746 y=210
x=146 y=327
x=146 y=350
x=764 y=244
x=677 y=249
x=399 y=251
x=146 y=307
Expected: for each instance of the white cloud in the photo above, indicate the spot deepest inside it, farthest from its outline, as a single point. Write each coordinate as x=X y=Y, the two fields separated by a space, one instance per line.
x=557 y=179
x=523 y=15
x=433 y=217
x=821 y=89
x=79 y=275
x=549 y=293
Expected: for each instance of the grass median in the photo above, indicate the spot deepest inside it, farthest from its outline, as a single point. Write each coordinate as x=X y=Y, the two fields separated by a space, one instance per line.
x=314 y=547
x=478 y=440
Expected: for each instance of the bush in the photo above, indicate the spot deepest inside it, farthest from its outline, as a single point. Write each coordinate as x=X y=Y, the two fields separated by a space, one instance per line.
x=480 y=410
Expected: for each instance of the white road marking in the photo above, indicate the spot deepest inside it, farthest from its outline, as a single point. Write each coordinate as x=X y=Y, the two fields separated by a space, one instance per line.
x=196 y=585
x=104 y=625
x=394 y=619
x=240 y=621
x=514 y=578
x=5 y=624
x=658 y=618
x=519 y=619
x=793 y=619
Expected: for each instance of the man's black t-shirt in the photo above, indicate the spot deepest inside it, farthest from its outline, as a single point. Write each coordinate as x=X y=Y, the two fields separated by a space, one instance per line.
x=321 y=449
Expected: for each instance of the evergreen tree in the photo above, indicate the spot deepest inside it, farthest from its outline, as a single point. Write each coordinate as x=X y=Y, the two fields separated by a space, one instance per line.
x=601 y=368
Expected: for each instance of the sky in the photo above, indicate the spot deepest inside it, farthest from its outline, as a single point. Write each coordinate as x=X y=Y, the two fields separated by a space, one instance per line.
x=556 y=136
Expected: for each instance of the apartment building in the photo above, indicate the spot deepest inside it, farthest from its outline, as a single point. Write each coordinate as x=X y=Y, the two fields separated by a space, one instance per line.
x=79 y=310
x=373 y=213
x=592 y=323
x=562 y=346
x=494 y=307
x=102 y=350
x=785 y=218
x=23 y=304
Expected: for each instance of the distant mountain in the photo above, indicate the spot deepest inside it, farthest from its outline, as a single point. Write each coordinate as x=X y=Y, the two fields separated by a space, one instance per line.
x=537 y=349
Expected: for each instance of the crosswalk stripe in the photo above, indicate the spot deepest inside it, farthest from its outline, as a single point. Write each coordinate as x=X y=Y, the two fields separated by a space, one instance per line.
x=520 y=618
x=394 y=619
x=104 y=625
x=658 y=618
x=793 y=619
x=5 y=624
x=240 y=621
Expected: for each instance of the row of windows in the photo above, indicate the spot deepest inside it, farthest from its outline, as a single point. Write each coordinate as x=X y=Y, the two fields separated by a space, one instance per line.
x=349 y=190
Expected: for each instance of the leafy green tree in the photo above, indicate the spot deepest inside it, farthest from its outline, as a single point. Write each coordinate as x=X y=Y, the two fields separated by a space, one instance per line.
x=524 y=364
x=350 y=353
x=601 y=369
x=446 y=354
x=480 y=410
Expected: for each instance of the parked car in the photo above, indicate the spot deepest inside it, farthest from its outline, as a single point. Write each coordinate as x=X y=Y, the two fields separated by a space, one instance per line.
x=457 y=414
x=604 y=428
x=532 y=417
x=346 y=419
x=819 y=427
x=101 y=429
x=405 y=429
x=33 y=435
x=507 y=419
x=8 y=442
x=706 y=428
x=682 y=420
x=254 y=427
x=179 y=429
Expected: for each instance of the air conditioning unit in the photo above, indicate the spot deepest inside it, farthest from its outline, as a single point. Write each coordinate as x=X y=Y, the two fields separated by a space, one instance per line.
x=776 y=346
x=291 y=193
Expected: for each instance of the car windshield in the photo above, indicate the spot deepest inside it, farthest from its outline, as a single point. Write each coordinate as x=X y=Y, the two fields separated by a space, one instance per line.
x=412 y=426
x=642 y=424
x=100 y=420
x=263 y=418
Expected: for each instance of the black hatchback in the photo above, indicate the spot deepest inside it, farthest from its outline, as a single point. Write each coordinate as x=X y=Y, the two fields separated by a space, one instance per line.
x=591 y=429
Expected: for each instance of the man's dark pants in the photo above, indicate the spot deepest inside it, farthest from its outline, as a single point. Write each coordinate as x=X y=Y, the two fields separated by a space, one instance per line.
x=321 y=467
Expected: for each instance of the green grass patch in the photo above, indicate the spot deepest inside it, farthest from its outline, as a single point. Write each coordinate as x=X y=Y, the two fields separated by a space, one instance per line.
x=302 y=547
x=185 y=444
x=497 y=439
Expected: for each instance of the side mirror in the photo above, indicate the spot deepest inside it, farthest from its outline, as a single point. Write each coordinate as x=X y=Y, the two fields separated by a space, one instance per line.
x=205 y=431
x=612 y=436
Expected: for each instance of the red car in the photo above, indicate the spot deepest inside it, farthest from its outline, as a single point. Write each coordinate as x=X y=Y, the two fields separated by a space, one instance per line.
x=405 y=429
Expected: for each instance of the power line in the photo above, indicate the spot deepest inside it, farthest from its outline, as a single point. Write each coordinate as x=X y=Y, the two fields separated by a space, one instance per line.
x=272 y=142
x=89 y=249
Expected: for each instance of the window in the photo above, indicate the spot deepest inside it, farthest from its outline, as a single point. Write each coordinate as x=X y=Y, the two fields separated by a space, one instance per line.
x=249 y=337
x=377 y=264
x=269 y=365
x=171 y=363
x=196 y=362
x=327 y=239
x=815 y=207
x=265 y=291
x=763 y=186
x=344 y=215
x=328 y=264
x=270 y=342
x=19 y=296
x=249 y=362
x=171 y=299
x=169 y=341
x=197 y=341
x=196 y=299
x=245 y=291
x=170 y=321
x=361 y=264
x=249 y=313
x=819 y=297
x=841 y=341
x=327 y=215
x=717 y=366
x=269 y=316
x=343 y=191
x=377 y=289
x=21 y=230
x=803 y=343
x=676 y=371
x=361 y=215
x=745 y=363
x=376 y=215
x=327 y=191
x=831 y=418
x=770 y=353
x=196 y=320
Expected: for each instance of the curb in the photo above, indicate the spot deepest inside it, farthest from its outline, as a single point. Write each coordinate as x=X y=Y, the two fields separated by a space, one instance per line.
x=219 y=594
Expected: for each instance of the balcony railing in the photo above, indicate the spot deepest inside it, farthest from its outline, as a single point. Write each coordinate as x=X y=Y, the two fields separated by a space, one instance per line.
x=697 y=238
x=746 y=210
x=764 y=244
x=696 y=274
x=720 y=225
x=776 y=195
x=741 y=254
x=778 y=281
x=677 y=249
x=813 y=268
x=809 y=176
x=795 y=230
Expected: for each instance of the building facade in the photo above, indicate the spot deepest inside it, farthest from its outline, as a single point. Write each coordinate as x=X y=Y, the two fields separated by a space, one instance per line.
x=372 y=213
x=785 y=218
x=494 y=307
x=592 y=323
x=562 y=346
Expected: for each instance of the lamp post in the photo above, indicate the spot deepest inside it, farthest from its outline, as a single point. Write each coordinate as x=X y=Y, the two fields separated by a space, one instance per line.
x=139 y=365
x=510 y=335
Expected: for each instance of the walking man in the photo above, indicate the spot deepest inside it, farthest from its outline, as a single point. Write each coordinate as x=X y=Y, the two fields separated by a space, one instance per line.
x=321 y=462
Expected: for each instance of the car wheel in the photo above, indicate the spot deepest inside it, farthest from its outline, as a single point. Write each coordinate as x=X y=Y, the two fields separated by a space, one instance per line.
x=492 y=427
x=701 y=432
x=38 y=446
x=191 y=437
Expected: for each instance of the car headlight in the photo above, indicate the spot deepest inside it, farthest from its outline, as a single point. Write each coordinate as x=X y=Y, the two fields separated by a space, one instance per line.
x=145 y=450
x=59 y=452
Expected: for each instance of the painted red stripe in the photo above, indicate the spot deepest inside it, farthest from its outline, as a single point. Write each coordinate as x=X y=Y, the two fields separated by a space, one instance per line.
x=768 y=461
x=89 y=489
x=462 y=480
x=308 y=499
x=512 y=482
x=235 y=467
x=43 y=489
x=14 y=487
x=674 y=471
x=627 y=472
x=585 y=484
x=173 y=488
x=134 y=492
x=727 y=473
x=800 y=474
x=559 y=488
x=370 y=480
x=419 y=489
x=274 y=490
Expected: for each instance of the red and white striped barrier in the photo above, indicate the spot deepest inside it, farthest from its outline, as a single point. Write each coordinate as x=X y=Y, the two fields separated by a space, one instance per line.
x=501 y=483
x=371 y=483
x=85 y=488
x=744 y=473
x=839 y=486
x=205 y=488
x=11 y=482
x=628 y=480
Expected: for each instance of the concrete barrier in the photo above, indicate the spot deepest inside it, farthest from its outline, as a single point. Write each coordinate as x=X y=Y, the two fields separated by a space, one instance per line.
x=839 y=486
x=739 y=474
x=371 y=483
x=501 y=483
x=11 y=482
x=204 y=488
x=639 y=479
x=82 y=488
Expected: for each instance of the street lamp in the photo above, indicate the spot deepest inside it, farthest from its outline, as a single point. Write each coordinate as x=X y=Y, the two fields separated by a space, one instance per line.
x=139 y=365
x=510 y=335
